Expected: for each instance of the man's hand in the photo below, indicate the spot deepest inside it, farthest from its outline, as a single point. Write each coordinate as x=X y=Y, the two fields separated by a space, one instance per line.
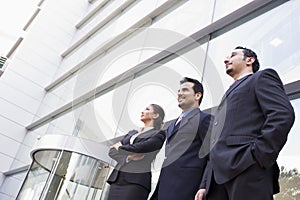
x=135 y=157
x=200 y=194
x=116 y=145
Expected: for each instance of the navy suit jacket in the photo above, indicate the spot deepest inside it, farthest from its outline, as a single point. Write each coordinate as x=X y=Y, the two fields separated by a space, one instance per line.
x=182 y=168
x=136 y=172
x=251 y=126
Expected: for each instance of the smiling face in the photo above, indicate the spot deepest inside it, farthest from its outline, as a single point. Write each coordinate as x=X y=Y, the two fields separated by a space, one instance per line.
x=187 y=99
x=236 y=64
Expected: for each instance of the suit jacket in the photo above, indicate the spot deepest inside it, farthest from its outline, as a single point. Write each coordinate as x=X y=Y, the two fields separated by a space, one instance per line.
x=251 y=126
x=136 y=172
x=183 y=168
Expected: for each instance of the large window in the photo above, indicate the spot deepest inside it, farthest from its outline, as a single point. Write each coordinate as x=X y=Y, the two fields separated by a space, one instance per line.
x=225 y=7
x=273 y=36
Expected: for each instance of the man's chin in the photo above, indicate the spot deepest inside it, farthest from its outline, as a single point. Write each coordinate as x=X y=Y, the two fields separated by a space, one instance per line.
x=229 y=71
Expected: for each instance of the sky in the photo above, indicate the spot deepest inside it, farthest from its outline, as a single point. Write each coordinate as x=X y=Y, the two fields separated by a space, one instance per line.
x=13 y=17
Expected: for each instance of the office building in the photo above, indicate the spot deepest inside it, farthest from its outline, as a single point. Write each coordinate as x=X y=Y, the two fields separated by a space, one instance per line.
x=85 y=69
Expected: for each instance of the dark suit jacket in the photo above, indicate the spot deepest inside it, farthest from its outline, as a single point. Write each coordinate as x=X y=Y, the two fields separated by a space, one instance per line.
x=251 y=126
x=137 y=172
x=183 y=168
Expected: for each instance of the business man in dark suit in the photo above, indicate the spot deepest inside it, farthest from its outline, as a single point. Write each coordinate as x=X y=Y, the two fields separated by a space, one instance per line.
x=131 y=177
x=182 y=168
x=250 y=128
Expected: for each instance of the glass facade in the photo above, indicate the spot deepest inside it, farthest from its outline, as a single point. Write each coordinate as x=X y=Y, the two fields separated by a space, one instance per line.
x=272 y=35
x=223 y=8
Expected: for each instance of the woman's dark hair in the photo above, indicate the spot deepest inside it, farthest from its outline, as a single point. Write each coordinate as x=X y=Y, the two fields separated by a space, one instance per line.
x=158 y=121
x=249 y=53
x=198 y=87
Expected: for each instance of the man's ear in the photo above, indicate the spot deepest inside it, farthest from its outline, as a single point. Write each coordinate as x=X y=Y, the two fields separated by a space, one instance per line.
x=250 y=60
x=198 y=95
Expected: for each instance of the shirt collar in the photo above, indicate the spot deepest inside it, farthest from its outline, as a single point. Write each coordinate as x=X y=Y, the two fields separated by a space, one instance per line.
x=243 y=75
x=187 y=112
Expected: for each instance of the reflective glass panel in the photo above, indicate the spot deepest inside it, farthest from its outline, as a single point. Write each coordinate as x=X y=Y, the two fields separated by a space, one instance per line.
x=160 y=86
x=189 y=17
x=34 y=183
x=273 y=36
x=225 y=7
x=60 y=175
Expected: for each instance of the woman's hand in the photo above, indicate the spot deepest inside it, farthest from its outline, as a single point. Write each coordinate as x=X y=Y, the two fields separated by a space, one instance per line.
x=135 y=157
x=116 y=145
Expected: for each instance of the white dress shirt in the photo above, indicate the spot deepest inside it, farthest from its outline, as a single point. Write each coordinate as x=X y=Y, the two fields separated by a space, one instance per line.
x=142 y=130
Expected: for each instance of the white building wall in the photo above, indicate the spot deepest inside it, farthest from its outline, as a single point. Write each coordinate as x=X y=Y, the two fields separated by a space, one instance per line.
x=32 y=67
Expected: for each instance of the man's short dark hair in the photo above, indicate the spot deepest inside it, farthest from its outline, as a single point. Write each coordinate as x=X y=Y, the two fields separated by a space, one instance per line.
x=249 y=53
x=198 y=87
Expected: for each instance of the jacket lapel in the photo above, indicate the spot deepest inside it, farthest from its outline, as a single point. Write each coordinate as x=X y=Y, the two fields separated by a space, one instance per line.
x=126 y=139
x=174 y=129
x=145 y=135
x=185 y=119
x=171 y=128
x=233 y=88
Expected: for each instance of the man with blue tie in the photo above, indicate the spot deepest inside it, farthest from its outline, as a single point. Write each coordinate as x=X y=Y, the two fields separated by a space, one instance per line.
x=182 y=168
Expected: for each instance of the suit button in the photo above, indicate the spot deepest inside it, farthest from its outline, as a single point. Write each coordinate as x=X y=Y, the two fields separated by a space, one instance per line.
x=166 y=157
x=216 y=123
x=213 y=141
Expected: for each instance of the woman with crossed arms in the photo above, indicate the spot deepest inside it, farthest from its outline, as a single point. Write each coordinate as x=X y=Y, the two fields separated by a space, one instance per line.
x=131 y=177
